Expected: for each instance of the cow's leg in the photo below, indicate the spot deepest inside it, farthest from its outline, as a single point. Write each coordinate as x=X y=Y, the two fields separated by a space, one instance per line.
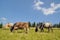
x=42 y=29
x=51 y=29
x=25 y=29
x=36 y=29
x=48 y=29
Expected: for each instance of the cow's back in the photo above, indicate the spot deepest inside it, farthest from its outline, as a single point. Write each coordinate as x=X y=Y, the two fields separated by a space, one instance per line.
x=21 y=24
x=47 y=24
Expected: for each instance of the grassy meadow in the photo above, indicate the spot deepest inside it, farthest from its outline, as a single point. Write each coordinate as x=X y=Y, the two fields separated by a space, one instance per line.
x=5 y=34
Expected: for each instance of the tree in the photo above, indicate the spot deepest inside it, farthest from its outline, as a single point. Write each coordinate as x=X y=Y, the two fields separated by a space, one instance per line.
x=34 y=24
x=59 y=25
x=1 y=25
x=29 y=24
x=56 y=25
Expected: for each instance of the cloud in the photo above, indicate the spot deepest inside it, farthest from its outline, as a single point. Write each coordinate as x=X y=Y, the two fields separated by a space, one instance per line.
x=46 y=11
x=37 y=4
x=3 y=18
x=51 y=10
x=52 y=4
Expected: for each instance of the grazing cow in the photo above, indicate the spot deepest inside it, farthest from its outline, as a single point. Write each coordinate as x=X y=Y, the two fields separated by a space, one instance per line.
x=46 y=25
x=20 y=25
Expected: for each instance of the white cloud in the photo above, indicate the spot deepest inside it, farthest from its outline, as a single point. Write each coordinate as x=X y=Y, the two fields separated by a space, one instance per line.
x=37 y=4
x=3 y=18
x=57 y=6
x=52 y=4
x=51 y=10
x=46 y=11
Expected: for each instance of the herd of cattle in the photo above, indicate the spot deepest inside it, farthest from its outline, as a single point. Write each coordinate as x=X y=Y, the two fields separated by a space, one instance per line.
x=25 y=26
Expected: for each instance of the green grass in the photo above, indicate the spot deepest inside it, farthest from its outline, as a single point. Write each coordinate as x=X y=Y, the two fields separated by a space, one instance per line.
x=31 y=35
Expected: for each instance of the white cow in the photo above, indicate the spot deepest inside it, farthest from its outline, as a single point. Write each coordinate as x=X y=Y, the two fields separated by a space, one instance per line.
x=47 y=24
x=8 y=25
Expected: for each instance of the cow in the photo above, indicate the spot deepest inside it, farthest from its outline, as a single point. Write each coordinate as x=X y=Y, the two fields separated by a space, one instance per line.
x=8 y=25
x=46 y=25
x=20 y=25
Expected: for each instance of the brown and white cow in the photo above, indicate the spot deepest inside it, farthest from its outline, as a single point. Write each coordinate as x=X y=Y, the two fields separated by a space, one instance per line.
x=20 y=25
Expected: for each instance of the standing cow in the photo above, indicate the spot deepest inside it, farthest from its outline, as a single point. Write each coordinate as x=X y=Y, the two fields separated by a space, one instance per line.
x=20 y=25
x=46 y=25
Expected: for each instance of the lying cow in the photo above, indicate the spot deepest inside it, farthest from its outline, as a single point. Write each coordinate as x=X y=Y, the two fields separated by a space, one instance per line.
x=8 y=25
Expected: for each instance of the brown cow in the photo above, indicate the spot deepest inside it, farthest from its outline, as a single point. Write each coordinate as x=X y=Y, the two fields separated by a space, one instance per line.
x=20 y=25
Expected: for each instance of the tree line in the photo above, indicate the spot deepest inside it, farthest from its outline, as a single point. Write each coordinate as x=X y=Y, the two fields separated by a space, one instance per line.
x=34 y=25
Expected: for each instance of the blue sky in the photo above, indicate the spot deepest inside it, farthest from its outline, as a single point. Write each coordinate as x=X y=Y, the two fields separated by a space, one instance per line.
x=30 y=10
